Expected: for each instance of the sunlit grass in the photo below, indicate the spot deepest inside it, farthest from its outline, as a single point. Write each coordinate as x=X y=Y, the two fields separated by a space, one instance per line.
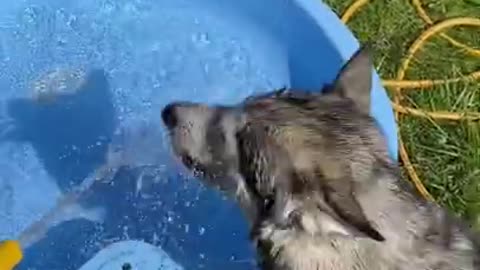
x=446 y=155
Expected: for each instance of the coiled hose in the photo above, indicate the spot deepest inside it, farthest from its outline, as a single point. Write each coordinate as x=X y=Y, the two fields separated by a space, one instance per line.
x=399 y=84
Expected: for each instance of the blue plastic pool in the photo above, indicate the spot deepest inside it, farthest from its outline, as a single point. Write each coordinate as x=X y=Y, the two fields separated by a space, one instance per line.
x=81 y=86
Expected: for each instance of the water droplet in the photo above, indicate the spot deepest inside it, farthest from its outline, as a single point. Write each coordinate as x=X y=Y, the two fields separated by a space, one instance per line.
x=72 y=20
x=201 y=231
x=155 y=239
x=201 y=38
x=187 y=228
x=61 y=41
x=108 y=7
x=206 y=69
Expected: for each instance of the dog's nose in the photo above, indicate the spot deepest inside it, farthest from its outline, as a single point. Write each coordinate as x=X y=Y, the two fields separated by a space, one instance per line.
x=169 y=115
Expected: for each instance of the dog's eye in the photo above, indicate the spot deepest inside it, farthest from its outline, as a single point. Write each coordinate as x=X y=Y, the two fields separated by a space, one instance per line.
x=187 y=160
x=268 y=203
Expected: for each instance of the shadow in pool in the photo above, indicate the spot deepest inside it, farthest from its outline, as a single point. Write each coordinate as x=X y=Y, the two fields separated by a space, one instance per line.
x=168 y=210
x=69 y=134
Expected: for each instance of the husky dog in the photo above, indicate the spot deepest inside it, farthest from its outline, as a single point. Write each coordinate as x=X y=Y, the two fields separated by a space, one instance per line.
x=314 y=178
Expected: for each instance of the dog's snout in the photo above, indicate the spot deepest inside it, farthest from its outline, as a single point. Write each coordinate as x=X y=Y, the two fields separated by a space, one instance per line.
x=169 y=115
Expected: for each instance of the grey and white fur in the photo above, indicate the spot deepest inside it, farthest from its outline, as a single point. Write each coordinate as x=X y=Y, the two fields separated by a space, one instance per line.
x=314 y=179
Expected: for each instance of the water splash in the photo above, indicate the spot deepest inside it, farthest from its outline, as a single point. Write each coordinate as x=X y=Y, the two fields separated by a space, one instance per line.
x=67 y=208
x=57 y=82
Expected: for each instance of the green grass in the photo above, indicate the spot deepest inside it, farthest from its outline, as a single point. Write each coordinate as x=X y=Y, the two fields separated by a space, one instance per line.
x=445 y=154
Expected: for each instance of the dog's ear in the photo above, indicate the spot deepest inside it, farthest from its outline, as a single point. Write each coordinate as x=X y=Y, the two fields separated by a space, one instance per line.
x=354 y=80
x=347 y=216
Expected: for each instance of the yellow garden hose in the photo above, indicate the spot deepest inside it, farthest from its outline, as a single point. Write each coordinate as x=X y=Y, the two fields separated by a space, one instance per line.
x=10 y=254
x=399 y=84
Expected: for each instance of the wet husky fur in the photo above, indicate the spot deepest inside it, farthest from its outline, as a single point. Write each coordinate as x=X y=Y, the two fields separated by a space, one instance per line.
x=313 y=176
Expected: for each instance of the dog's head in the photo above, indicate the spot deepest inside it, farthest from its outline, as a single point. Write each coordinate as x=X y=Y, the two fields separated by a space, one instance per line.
x=287 y=142
x=203 y=137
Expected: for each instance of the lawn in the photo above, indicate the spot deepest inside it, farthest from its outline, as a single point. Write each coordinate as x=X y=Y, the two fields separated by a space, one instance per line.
x=446 y=155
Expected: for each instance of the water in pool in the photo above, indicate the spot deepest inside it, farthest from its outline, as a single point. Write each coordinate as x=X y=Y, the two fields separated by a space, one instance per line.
x=82 y=84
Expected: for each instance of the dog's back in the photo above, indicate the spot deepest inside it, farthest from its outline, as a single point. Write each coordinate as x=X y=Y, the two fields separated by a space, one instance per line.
x=342 y=196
